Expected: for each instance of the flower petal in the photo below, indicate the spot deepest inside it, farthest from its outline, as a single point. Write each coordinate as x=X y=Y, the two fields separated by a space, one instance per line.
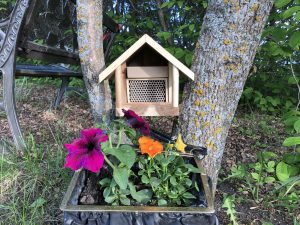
x=93 y=161
x=73 y=162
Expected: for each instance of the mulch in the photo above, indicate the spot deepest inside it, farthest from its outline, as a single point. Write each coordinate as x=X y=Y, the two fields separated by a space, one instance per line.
x=246 y=137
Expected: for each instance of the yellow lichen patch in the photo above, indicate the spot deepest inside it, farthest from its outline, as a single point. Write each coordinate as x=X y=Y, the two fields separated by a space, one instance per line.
x=206 y=101
x=226 y=1
x=258 y=18
x=227 y=42
x=232 y=26
x=197 y=102
x=218 y=117
x=198 y=45
x=206 y=124
x=232 y=67
x=198 y=84
x=198 y=92
x=213 y=106
x=210 y=145
x=254 y=7
x=218 y=130
x=197 y=124
x=206 y=84
x=200 y=113
x=226 y=58
x=194 y=137
x=243 y=49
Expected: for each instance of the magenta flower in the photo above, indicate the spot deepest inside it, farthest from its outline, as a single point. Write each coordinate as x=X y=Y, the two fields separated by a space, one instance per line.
x=86 y=151
x=136 y=122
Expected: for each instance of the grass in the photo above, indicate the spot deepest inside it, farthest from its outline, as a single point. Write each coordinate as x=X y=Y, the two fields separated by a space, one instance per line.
x=32 y=183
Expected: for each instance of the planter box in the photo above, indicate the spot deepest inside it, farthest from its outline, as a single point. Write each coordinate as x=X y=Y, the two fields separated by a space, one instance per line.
x=75 y=214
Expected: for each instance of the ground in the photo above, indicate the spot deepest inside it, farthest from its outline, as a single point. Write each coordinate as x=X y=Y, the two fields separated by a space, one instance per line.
x=33 y=184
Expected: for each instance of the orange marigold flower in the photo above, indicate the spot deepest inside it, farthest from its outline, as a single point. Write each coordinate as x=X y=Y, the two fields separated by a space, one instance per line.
x=150 y=146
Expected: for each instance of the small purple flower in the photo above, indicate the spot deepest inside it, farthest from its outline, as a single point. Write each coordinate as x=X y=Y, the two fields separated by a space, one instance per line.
x=86 y=151
x=137 y=122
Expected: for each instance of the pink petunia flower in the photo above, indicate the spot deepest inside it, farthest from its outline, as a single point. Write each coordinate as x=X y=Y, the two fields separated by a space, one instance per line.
x=137 y=122
x=85 y=152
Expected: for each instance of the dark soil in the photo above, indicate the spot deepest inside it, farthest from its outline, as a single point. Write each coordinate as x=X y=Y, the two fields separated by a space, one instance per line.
x=248 y=135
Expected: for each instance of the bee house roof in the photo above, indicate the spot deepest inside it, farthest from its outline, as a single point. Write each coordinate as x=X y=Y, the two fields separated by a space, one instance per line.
x=145 y=39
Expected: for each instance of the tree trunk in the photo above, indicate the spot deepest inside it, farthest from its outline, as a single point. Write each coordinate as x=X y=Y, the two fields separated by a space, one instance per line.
x=89 y=24
x=224 y=54
x=162 y=20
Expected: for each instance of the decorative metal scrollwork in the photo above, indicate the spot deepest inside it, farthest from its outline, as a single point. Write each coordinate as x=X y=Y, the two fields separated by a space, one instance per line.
x=13 y=30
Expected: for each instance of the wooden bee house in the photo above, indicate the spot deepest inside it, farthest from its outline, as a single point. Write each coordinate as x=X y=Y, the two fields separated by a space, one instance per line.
x=147 y=79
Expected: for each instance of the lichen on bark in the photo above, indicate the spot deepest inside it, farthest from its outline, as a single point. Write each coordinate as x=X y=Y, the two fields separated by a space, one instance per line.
x=89 y=26
x=224 y=54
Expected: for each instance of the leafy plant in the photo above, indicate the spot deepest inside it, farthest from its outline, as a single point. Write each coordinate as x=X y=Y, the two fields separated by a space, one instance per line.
x=169 y=177
x=229 y=204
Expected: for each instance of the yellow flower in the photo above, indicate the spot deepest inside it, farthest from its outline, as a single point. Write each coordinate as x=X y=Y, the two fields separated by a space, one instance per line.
x=179 y=144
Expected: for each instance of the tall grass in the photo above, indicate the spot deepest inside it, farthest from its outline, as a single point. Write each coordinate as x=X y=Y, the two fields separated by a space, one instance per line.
x=32 y=183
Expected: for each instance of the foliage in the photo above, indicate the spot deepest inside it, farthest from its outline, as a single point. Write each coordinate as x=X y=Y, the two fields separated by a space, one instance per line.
x=271 y=86
x=228 y=203
x=29 y=192
x=169 y=177
x=279 y=175
x=164 y=178
x=183 y=20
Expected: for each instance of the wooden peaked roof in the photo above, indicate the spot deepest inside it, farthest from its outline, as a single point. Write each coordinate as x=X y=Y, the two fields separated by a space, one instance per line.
x=145 y=39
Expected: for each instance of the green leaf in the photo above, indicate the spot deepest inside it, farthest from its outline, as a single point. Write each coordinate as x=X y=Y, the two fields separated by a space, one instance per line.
x=188 y=195
x=269 y=180
x=106 y=192
x=104 y=181
x=255 y=176
x=228 y=203
x=126 y=154
x=38 y=203
x=173 y=181
x=291 y=158
x=162 y=202
x=192 y=27
x=285 y=171
x=192 y=169
x=291 y=141
x=145 y=179
x=297 y=126
x=142 y=196
x=180 y=3
x=290 y=11
x=110 y=199
x=125 y=201
x=155 y=182
x=294 y=41
x=121 y=176
x=281 y=3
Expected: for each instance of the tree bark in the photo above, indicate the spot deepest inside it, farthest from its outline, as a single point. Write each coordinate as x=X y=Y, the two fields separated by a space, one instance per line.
x=224 y=54
x=89 y=24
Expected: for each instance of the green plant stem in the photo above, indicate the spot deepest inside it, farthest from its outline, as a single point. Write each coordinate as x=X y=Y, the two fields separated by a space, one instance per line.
x=120 y=137
x=110 y=140
x=108 y=161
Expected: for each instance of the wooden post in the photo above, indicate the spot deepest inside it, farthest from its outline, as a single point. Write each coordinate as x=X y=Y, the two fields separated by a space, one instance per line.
x=170 y=83
x=120 y=88
x=175 y=79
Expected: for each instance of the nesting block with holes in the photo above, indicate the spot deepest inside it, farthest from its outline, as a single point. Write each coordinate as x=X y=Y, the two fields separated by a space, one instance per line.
x=147 y=79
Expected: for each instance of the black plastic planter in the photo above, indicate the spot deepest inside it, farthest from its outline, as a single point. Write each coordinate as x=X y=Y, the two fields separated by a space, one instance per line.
x=201 y=213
